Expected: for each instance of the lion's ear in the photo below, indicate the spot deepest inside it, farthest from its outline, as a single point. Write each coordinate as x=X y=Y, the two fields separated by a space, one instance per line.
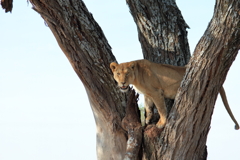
x=113 y=66
x=132 y=65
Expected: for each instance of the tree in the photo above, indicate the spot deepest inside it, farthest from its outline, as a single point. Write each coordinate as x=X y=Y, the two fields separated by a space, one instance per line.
x=162 y=33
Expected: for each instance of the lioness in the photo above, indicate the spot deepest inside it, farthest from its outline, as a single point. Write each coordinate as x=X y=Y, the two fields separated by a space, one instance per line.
x=155 y=81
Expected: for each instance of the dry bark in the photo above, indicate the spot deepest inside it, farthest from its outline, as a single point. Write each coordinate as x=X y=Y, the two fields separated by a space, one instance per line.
x=89 y=53
x=189 y=122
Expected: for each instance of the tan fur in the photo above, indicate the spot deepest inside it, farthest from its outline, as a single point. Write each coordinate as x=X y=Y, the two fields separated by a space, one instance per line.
x=155 y=81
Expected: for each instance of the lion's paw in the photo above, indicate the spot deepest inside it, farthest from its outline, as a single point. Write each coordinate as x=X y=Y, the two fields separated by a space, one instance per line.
x=160 y=124
x=147 y=121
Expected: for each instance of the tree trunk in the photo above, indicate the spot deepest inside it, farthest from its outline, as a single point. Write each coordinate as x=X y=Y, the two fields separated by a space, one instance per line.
x=89 y=53
x=186 y=133
x=163 y=36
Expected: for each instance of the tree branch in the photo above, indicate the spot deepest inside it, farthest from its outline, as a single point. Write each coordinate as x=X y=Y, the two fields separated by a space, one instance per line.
x=189 y=122
x=161 y=30
x=84 y=44
x=7 y=5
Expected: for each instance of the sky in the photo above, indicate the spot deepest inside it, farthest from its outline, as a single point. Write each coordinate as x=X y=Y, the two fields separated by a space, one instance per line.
x=44 y=110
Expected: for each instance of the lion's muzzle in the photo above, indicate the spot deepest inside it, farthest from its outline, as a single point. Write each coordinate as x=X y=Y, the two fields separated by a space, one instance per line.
x=124 y=88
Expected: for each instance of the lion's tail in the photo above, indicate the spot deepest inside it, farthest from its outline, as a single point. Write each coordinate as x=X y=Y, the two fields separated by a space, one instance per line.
x=225 y=102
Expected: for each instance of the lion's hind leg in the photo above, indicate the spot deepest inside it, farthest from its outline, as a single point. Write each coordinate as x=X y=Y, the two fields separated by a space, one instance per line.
x=148 y=104
x=159 y=102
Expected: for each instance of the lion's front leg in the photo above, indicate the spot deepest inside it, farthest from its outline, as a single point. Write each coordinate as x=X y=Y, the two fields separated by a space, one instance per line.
x=161 y=107
x=148 y=104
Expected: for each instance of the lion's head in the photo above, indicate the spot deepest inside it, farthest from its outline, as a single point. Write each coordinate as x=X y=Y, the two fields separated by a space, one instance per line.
x=124 y=74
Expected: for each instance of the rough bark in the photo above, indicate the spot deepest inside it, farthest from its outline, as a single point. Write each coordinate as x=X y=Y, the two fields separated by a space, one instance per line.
x=163 y=36
x=189 y=122
x=87 y=49
x=161 y=30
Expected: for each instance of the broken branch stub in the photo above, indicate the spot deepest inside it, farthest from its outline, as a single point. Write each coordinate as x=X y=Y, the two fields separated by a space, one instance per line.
x=132 y=124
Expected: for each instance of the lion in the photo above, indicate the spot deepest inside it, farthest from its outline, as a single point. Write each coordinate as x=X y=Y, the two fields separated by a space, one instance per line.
x=156 y=82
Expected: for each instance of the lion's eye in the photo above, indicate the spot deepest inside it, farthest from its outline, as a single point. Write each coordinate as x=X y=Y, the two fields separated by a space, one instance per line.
x=118 y=74
x=127 y=73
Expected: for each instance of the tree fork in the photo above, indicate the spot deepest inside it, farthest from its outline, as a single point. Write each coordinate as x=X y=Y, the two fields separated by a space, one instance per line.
x=87 y=49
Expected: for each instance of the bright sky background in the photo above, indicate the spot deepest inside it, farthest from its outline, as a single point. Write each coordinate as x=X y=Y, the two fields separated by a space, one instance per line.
x=44 y=110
